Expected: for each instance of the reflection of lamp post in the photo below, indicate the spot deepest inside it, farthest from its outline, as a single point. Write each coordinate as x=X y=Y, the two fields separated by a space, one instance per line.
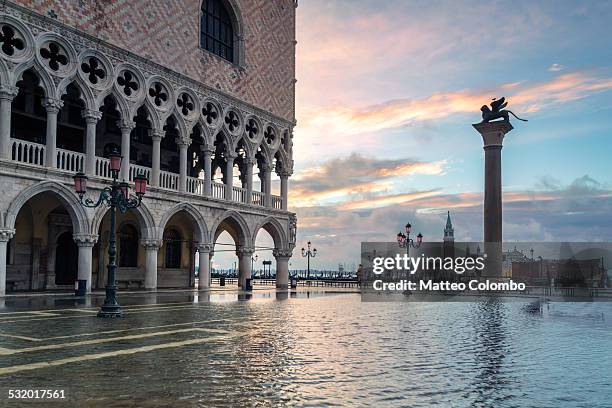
x=117 y=196
x=309 y=254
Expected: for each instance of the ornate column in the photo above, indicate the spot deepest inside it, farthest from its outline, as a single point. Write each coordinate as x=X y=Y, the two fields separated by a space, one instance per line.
x=268 y=185
x=5 y=235
x=493 y=137
x=207 y=152
x=156 y=136
x=85 y=242
x=183 y=144
x=244 y=264
x=91 y=119
x=53 y=106
x=204 y=251
x=282 y=267
x=151 y=247
x=126 y=127
x=250 y=162
x=229 y=175
x=7 y=94
x=284 y=178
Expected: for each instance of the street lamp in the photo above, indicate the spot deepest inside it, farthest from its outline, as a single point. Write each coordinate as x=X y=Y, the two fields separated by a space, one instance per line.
x=253 y=260
x=117 y=196
x=404 y=240
x=309 y=254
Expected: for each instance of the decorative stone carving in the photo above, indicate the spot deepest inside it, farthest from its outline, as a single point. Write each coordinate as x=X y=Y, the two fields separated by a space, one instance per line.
x=151 y=244
x=6 y=234
x=85 y=240
x=53 y=105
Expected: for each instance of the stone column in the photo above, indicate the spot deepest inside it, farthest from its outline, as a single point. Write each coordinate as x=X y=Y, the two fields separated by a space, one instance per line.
x=7 y=94
x=268 y=185
x=282 y=267
x=229 y=176
x=183 y=144
x=53 y=107
x=493 y=136
x=126 y=127
x=244 y=264
x=85 y=242
x=156 y=136
x=250 y=162
x=5 y=236
x=91 y=119
x=204 y=261
x=207 y=171
x=151 y=247
x=284 y=178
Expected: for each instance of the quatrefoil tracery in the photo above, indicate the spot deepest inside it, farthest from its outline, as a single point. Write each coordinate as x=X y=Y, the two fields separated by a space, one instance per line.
x=10 y=41
x=128 y=82
x=92 y=67
x=53 y=53
x=231 y=120
x=210 y=113
x=158 y=93
x=269 y=136
x=251 y=128
x=185 y=103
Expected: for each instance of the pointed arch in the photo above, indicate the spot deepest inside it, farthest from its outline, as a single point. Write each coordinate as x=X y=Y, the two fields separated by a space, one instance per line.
x=45 y=81
x=152 y=113
x=144 y=216
x=202 y=233
x=78 y=215
x=120 y=103
x=232 y=222
x=86 y=93
x=276 y=231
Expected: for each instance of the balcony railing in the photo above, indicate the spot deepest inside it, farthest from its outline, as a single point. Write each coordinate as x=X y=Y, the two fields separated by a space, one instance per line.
x=218 y=190
x=195 y=185
x=168 y=180
x=277 y=202
x=70 y=161
x=258 y=198
x=28 y=152
x=239 y=194
x=136 y=170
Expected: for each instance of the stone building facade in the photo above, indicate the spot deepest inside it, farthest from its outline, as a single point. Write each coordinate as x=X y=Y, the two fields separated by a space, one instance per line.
x=197 y=95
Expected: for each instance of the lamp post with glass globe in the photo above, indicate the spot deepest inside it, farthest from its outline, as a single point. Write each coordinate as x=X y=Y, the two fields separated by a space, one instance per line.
x=404 y=240
x=116 y=196
x=310 y=253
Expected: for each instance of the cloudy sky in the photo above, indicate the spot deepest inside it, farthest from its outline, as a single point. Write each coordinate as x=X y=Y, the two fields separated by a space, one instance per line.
x=388 y=90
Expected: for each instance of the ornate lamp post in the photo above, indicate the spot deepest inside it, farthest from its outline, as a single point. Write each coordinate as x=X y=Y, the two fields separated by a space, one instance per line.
x=117 y=196
x=309 y=254
x=404 y=240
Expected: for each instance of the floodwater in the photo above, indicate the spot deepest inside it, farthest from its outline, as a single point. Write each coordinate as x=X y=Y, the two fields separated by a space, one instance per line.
x=310 y=349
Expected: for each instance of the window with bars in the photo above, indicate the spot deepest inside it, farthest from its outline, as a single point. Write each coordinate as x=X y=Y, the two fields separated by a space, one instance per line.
x=216 y=29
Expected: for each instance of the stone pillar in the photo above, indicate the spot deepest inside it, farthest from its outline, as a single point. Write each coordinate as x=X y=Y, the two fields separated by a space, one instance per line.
x=151 y=247
x=183 y=144
x=5 y=236
x=126 y=127
x=53 y=107
x=207 y=171
x=250 y=162
x=204 y=261
x=268 y=185
x=493 y=137
x=7 y=94
x=229 y=176
x=282 y=267
x=85 y=242
x=156 y=136
x=244 y=264
x=91 y=119
x=284 y=178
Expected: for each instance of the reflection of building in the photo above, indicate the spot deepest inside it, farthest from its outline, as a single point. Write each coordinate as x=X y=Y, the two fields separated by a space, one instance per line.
x=561 y=272
x=199 y=98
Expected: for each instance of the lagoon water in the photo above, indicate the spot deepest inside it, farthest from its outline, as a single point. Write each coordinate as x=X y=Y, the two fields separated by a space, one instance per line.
x=317 y=349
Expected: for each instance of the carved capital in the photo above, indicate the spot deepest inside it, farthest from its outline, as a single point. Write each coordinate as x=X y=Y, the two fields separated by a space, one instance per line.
x=157 y=135
x=151 y=244
x=206 y=150
x=245 y=251
x=85 y=240
x=126 y=125
x=284 y=173
x=6 y=234
x=53 y=105
x=204 y=248
x=91 y=116
x=183 y=141
x=8 y=93
x=282 y=253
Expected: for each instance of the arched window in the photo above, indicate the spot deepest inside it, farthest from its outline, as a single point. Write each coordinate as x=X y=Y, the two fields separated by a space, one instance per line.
x=216 y=29
x=173 y=244
x=128 y=246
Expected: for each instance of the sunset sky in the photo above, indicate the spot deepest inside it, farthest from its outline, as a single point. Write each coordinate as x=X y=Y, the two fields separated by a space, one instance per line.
x=386 y=95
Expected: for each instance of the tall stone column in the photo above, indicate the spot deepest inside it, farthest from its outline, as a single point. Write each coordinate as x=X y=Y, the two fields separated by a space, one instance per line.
x=244 y=264
x=126 y=127
x=7 y=94
x=493 y=137
x=268 y=185
x=183 y=144
x=91 y=119
x=5 y=236
x=250 y=162
x=282 y=267
x=85 y=242
x=53 y=106
x=207 y=153
x=229 y=176
x=204 y=262
x=156 y=136
x=284 y=179
x=151 y=247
